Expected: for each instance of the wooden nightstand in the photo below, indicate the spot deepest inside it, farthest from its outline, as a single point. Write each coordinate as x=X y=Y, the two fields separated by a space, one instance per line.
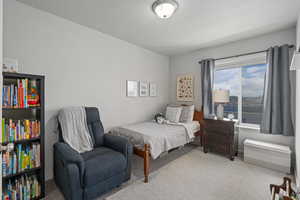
x=220 y=136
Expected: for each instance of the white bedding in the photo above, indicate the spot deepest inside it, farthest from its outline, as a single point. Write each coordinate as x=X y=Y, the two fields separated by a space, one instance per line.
x=160 y=137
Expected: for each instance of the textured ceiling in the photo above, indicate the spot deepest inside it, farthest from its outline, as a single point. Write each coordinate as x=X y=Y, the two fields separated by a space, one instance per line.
x=196 y=24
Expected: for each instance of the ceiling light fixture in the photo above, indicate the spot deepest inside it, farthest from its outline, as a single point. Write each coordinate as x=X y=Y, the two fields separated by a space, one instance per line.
x=164 y=8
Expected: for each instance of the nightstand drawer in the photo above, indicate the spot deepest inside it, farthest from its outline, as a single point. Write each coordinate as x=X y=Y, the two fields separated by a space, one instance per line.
x=219 y=135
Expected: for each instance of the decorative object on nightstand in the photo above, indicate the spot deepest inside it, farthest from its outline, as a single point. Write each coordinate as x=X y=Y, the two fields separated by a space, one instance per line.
x=221 y=97
x=220 y=136
x=230 y=116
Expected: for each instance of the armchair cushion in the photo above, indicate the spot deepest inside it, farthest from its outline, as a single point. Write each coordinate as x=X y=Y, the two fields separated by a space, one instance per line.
x=95 y=125
x=101 y=164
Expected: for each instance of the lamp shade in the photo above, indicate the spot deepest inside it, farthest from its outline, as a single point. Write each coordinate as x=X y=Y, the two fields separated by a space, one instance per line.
x=221 y=96
x=295 y=61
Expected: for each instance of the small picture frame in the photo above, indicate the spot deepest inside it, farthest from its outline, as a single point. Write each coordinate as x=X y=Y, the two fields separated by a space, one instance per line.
x=132 y=88
x=10 y=65
x=153 y=89
x=144 y=90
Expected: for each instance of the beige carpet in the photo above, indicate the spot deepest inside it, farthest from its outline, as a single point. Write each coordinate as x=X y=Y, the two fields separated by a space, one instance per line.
x=196 y=175
x=189 y=174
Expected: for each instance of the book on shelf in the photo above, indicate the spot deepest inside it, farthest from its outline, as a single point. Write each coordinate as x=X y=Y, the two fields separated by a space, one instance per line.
x=23 y=94
x=24 y=157
x=14 y=130
x=23 y=188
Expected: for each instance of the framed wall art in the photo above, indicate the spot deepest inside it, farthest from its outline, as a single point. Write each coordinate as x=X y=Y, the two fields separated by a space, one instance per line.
x=153 y=89
x=144 y=90
x=132 y=88
x=185 y=88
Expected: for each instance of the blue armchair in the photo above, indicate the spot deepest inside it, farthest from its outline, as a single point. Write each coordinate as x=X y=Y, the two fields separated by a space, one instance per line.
x=91 y=174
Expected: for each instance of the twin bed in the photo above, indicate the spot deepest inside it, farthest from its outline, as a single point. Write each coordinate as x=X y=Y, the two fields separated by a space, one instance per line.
x=153 y=139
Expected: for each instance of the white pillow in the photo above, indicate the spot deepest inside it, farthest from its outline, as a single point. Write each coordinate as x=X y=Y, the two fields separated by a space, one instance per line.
x=173 y=113
x=187 y=114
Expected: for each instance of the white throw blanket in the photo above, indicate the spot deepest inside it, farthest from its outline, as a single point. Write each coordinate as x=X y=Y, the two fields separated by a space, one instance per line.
x=74 y=128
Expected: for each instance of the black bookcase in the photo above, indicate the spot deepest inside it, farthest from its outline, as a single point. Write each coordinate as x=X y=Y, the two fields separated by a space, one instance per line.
x=37 y=113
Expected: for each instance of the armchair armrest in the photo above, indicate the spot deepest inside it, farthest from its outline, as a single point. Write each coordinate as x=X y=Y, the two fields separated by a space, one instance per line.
x=69 y=156
x=123 y=146
x=119 y=144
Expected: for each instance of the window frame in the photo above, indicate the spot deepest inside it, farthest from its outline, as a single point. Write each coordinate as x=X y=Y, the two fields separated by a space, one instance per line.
x=240 y=62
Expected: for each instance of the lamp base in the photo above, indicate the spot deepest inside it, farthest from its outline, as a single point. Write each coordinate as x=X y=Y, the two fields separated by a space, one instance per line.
x=220 y=112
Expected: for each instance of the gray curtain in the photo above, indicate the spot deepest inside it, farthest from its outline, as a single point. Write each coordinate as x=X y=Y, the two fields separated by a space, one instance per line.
x=207 y=80
x=276 y=117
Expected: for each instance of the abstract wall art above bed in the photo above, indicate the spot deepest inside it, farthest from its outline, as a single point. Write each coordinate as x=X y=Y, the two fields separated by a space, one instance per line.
x=185 y=88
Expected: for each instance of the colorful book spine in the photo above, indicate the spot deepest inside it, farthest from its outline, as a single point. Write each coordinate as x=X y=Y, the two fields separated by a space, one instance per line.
x=23 y=188
x=12 y=88
x=15 y=105
x=3 y=131
x=14 y=130
x=8 y=95
x=26 y=93
x=16 y=95
x=23 y=158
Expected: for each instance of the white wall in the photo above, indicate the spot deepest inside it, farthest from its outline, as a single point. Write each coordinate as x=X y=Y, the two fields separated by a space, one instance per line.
x=298 y=32
x=297 y=136
x=82 y=67
x=188 y=64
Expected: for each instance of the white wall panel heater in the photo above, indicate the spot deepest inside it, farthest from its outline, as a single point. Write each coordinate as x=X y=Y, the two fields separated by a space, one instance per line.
x=272 y=156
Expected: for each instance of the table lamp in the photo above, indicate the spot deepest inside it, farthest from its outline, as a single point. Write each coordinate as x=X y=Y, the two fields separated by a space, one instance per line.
x=221 y=97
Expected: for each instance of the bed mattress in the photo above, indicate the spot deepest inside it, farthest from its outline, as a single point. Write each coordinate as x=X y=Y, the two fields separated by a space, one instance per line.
x=160 y=137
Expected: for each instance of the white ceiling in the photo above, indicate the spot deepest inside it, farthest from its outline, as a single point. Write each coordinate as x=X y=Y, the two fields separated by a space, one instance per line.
x=197 y=23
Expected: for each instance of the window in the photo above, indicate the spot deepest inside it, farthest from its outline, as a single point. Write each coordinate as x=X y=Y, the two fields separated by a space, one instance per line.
x=246 y=84
x=229 y=79
x=253 y=78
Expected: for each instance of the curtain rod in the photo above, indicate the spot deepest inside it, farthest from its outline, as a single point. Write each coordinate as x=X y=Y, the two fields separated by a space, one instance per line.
x=245 y=54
